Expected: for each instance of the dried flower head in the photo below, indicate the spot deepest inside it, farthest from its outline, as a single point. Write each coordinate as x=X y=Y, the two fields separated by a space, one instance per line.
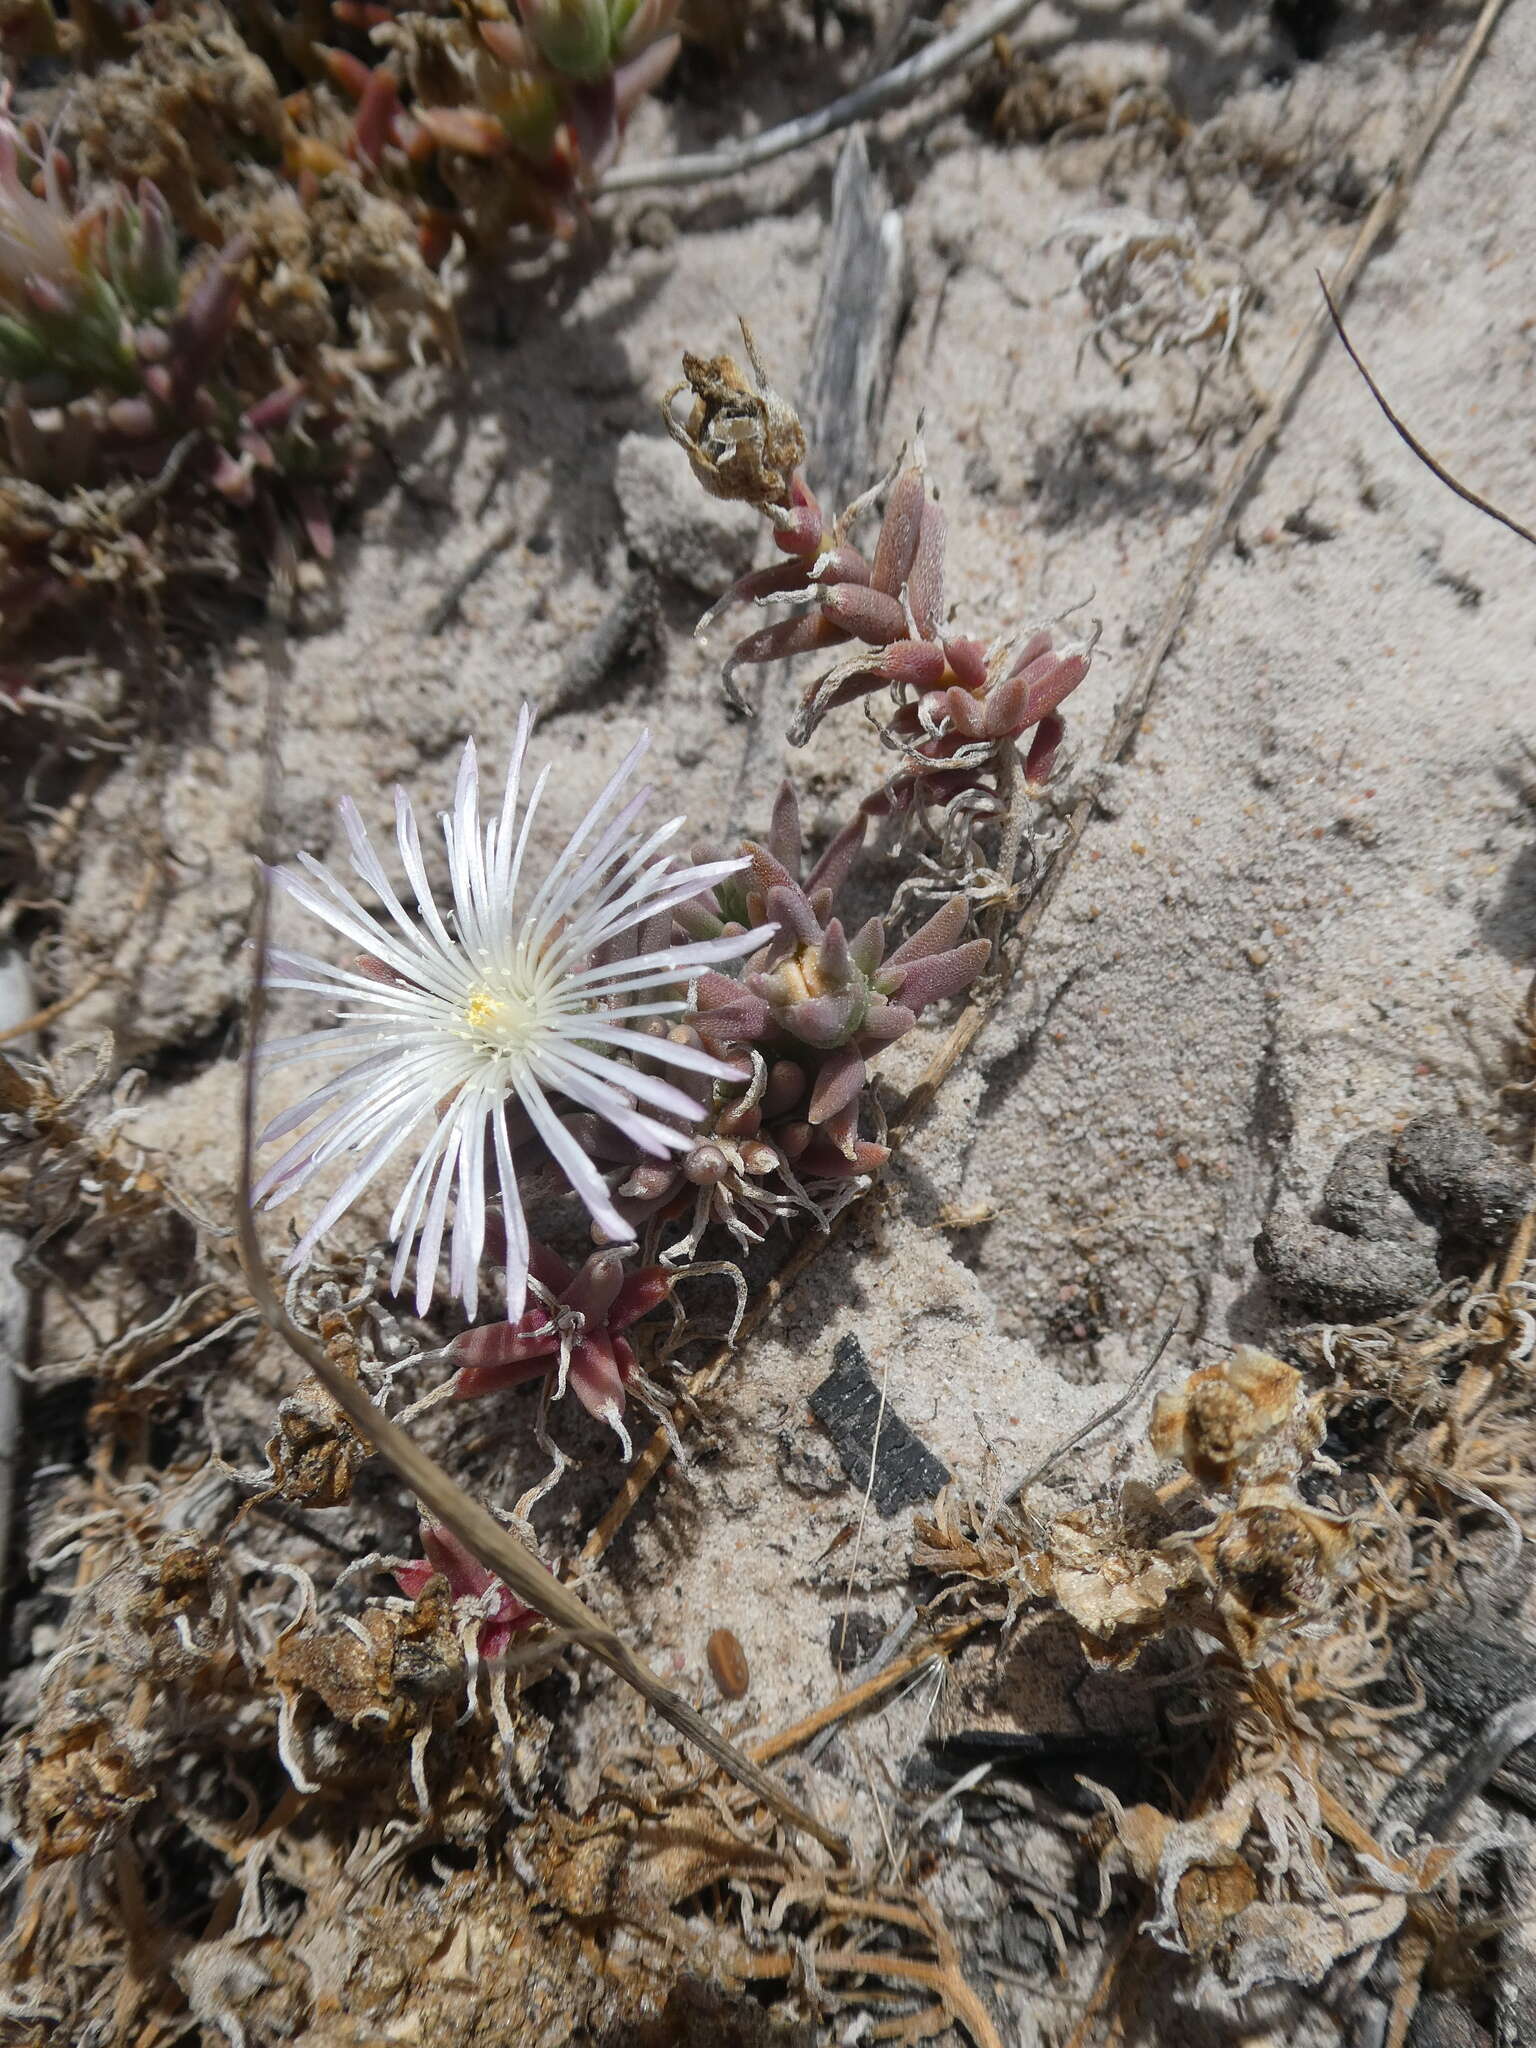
x=482 y=1037
x=1246 y=1418
x=742 y=442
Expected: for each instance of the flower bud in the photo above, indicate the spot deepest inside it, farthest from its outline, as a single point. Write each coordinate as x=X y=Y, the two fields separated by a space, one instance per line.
x=572 y=36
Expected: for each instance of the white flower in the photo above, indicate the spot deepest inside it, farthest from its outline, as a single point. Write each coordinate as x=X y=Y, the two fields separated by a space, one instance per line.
x=448 y=1026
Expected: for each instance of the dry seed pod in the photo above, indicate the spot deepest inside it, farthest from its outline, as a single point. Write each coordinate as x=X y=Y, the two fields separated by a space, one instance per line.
x=1245 y=1419
x=741 y=443
x=1271 y=1562
x=728 y=1665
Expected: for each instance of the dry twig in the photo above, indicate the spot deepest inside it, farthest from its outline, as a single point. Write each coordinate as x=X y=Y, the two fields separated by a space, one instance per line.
x=900 y=83
x=443 y=1498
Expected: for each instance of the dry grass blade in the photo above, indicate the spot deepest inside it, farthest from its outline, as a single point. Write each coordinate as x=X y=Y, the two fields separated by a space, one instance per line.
x=1406 y=434
x=442 y=1497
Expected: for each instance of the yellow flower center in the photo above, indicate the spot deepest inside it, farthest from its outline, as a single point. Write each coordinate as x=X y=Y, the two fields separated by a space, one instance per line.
x=502 y=1020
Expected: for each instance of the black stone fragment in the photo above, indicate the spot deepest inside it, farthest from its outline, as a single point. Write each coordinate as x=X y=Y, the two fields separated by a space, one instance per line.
x=854 y=1638
x=847 y=1405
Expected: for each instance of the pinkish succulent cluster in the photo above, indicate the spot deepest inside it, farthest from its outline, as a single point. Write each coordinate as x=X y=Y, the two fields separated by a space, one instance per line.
x=112 y=364
x=958 y=701
x=802 y=1021
x=817 y=1000
x=478 y=1595
x=101 y=334
x=512 y=117
x=573 y=1331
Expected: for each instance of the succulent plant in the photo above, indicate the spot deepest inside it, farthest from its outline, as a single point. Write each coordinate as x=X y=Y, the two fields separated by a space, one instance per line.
x=957 y=700
x=816 y=1002
x=575 y=1333
x=511 y=117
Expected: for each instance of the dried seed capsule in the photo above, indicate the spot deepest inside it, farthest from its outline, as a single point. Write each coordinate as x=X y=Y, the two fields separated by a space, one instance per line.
x=728 y=1665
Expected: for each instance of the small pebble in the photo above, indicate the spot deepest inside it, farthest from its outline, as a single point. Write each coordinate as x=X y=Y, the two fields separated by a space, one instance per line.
x=728 y=1664
x=854 y=1639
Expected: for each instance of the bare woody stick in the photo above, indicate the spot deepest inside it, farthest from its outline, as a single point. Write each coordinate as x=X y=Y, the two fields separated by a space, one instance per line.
x=441 y=1495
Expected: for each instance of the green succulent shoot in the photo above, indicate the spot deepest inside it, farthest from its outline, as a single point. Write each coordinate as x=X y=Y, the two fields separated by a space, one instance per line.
x=76 y=289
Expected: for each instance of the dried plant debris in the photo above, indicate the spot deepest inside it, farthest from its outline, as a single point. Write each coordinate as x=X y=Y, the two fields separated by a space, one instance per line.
x=1308 y=1556
x=232 y=237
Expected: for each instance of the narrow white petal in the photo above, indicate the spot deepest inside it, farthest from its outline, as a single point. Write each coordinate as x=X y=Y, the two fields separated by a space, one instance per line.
x=649 y=1088
x=408 y=839
x=583 y=832
x=354 y=1185
x=593 y=1091
x=688 y=1056
x=437 y=1210
x=501 y=862
x=512 y=1214
x=675 y=962
x=572 y=1161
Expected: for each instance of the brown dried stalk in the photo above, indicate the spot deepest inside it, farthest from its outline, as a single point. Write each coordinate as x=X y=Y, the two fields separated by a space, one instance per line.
x=443 y=1498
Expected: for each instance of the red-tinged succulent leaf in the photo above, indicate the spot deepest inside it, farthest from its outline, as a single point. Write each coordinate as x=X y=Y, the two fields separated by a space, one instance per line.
x=835 y=960
x=868 y=614
x=789 y=910
x=944 y=975
x=1043 y=748
x=838 y=1083
x=975 y=718
x=812 y=633
x=472 y=1382
x=868 y=946
x=823 y=1161
x=595 y=1289
x=936 y=935
x=968 y=659
x=1050 y=686
x=917 y=663
x=784 y=838
x=794 y=1139
x=593 y=113
x=1038 y=643
x=885 y=1023
x=373 y=128
x=642 y=74
x=648 y=1183
x=896 y=547
x=465 y=129
x=642 y=1291
x=348 y=73
x=600 y=1364
x=825 y=1022
x=798 y=528
x=504 y=39
x=785 y=1087
x=779 y=579
x=842 y=564
x=925 y=580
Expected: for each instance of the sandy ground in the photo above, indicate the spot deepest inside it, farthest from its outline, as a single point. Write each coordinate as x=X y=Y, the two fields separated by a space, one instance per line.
x=1304 y=910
